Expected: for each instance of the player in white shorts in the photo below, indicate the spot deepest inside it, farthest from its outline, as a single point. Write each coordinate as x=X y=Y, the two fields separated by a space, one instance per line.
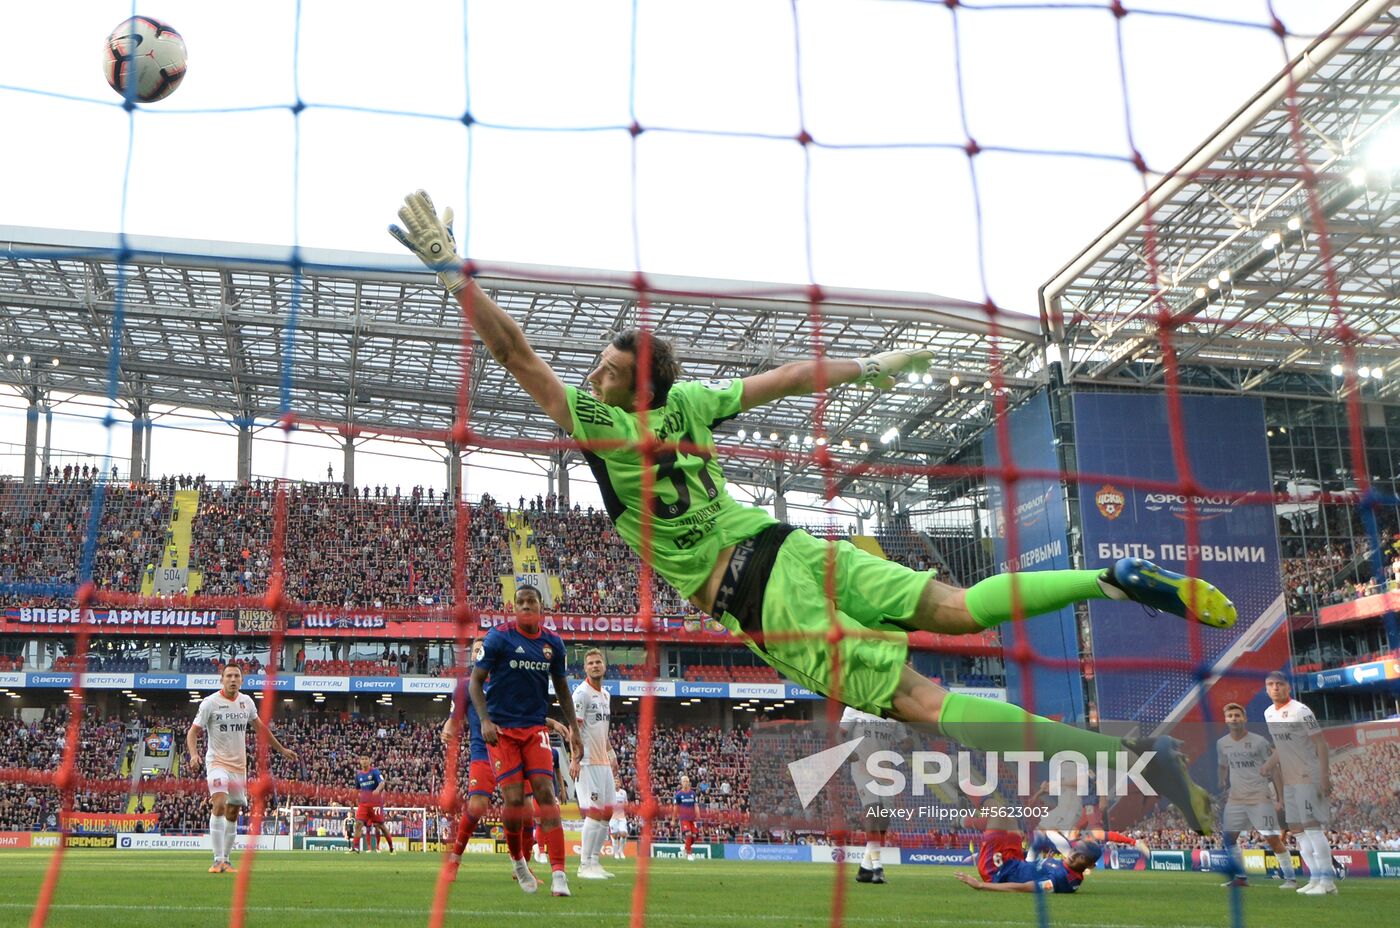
x=593 y=773
x=1251 y=802
x=617 y=825
x=1055 y=830
x=226 y=717
x=876 y=735
x=1301 y=755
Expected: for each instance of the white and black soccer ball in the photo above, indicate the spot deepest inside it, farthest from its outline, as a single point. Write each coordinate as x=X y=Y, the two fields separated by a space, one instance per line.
x=144 y=59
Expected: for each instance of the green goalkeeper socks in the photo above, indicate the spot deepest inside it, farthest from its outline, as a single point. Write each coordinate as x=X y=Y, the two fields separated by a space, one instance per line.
x=1041 y=591
x=989 y=725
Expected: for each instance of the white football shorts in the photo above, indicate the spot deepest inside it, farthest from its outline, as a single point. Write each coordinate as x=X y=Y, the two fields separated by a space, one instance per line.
x=1302 y=805
x=1243 y=816
x=235 y=785
x=595 y=787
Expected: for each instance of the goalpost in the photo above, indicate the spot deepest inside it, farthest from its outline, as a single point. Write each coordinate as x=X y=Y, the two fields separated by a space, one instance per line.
x=322 y=828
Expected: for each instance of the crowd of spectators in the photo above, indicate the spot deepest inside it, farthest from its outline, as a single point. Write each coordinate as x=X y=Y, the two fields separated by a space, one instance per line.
x=39 y=746
x=1328 y=572
x=376 y=548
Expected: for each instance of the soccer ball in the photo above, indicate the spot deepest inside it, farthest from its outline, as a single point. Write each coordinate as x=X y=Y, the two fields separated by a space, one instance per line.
x=144 y=59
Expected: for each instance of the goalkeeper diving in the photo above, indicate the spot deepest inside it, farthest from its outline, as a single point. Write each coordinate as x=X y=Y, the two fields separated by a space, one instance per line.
x=764 y=580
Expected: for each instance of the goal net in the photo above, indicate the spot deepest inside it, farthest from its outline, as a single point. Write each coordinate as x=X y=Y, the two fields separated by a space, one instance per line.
x=330 y=828
x=1074 y=437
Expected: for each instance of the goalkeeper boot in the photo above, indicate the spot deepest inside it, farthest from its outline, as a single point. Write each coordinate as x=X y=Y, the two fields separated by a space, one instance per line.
x=1158 y=588
x=1166 y=773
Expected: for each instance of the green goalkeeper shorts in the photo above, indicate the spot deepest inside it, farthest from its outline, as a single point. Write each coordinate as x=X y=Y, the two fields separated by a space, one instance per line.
x=872 y=596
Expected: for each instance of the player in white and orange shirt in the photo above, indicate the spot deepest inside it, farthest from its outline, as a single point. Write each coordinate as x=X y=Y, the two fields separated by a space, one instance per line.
x=593 y=772
x=1301 y=754
x=1252 y=800
x=226 y=717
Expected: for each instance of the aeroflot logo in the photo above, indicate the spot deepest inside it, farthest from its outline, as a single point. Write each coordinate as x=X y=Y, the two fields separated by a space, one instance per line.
x=1207 y=507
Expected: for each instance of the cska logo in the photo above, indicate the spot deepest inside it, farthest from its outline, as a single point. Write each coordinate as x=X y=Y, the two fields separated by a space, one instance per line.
x=472 y=783
x=1110 y=501
x=548 y=652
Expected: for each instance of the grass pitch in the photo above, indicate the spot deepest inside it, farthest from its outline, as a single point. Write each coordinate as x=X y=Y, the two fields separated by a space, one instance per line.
x=104 y=889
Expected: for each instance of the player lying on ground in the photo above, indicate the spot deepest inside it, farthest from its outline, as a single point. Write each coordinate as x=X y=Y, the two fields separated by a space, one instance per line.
x=520 y=661
x=1002 y=865
x=226 y=717
x=1302 y=757
x=765 y=581
x=370 y=811
x=1251 y=801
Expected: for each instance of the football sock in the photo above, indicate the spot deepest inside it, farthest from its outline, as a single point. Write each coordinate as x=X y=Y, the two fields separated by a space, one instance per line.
x=465 y=826
x=1117 y=837
x=619 y=847
x=1322 y=851
x=216 y=835
x=1285 y=864
x=527 y=836
x=1236 y=859
x=989 y=725
x=551 y=836
x=1305 y=851
x=872 y=855
x=1041 y=591
x=230 y=832
x=689 y=841
x=593 y=833
x=510 y=819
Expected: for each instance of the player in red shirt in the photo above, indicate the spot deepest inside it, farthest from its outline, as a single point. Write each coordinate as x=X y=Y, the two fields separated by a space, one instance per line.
x=520 y=661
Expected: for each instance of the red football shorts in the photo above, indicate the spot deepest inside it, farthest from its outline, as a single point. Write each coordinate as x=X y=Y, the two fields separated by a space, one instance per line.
x=520 y=753
x=369 y=813
x=481 y=779
x=688 y=826
x=996 y=848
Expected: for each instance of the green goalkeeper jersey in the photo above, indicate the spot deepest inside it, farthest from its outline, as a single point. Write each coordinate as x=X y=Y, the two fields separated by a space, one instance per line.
x=693 y=517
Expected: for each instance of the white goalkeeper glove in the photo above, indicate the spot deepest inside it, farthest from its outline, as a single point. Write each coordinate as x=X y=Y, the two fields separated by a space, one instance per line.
x=881 y=369
x=430 y=238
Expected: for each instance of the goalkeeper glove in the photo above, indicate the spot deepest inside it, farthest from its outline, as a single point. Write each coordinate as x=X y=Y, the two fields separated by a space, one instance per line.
x=430 y=238
x=881 y=369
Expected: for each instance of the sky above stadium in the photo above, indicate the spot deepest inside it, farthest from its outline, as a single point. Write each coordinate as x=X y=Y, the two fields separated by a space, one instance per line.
x=225 y=159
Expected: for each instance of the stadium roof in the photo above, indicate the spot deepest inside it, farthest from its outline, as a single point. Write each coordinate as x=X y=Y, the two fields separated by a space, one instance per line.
x=1240 y=259
x=376 y=343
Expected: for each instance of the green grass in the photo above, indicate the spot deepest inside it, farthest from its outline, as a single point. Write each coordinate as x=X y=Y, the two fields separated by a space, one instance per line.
x=294 y=889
